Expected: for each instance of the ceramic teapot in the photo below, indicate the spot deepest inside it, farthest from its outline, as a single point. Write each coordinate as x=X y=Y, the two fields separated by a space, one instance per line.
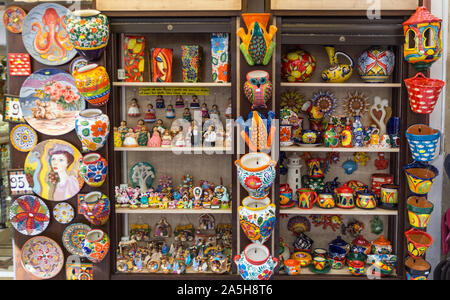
x=337 y=73
x=255 y=263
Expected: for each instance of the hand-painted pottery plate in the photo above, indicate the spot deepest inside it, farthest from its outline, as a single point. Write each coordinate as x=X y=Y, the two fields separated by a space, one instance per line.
x=73 y=236
x=23 y=137
x=42 y=257
x=45 y=36
x=63 y=213
x=50 y=101
x=29 y=215
x=52 y=170
x=142 y=174
x=13 y=19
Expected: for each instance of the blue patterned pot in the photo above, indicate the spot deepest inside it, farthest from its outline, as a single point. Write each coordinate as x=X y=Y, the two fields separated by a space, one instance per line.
x=423 y=141
x=257 y=219
x=255 y=263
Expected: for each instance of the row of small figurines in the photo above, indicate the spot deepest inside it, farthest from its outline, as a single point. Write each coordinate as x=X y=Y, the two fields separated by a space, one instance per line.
x=150 y=115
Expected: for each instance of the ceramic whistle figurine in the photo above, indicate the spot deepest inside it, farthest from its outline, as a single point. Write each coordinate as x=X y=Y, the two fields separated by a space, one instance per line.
x=170 y=112
x=258 y=88
x=337 y=73
x=133 y=109
x=187 y=115
x=150 y=116
x=179 y=102
x=194 y=104
x=205 y=112
x=257 y=45
x=214 y=112
x=123 y=129
x=160 y=102
x=130 y=139
x=155 y=140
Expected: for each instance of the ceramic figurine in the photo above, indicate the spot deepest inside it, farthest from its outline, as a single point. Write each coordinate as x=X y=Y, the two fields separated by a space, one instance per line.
x=117 y=137
x=361 y=157
x=123 y=129
x=350 y=166
x=257 y=131
x=379 y=113
x=337 y=73
x=376 y=64
x=194 y=103
x=141 y=132
x=179 y=102
x=160 y=126
x=257 y=45
x=150 y=116
x=423 y=39
x=298 y=66
x=155 y=140
x=204 y=110
x=93 y=84
x=214 y=112
x=163 y=229
x=187 y=115
x=133 y=108
x=229 y=110
x=375 y=138
x=160 y=103
x=190 y=59
x=170 y=112
x=130 y=139
x=162 y=65
x=258 y=88
x=92 y=128
x=294 y=173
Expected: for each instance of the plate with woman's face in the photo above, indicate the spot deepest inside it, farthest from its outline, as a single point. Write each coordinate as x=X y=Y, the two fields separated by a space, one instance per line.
x=52 y=169
x=50 y=101
x=45 y=35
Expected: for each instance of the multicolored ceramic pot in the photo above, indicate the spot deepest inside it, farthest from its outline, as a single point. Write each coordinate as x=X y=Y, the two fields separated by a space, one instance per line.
x=344 y=197
x=423 y=142
x=381 y=246
x=256 y=173
x=378 y=180
x=88 y=32
x=419 y=211
x=417 y=242
x=376 y=64
x=338 y=246
x=366 y=200
x=357 y=268
x=292 y=266
x=95 y=245
x=389 y=196
x=417 y=268
x=420 y=177
x=286 y=196
x=325 y=200
x=92 y=128
x=93 y=83
x=297 y=66
x=95 y=207
x=356 y=256
x=303 y=257
x=361 y=245
x=255 y=263
x=93 y=169
x=257 y=218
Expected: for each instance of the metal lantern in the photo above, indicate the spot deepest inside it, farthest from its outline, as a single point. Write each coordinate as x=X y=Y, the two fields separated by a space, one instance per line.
x=423 y=39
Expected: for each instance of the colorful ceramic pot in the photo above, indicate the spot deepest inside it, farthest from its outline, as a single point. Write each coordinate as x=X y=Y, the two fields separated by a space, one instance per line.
x=338 y=246
x=292 y=266
x=361 y=245
x=306 y=198
x=93 y=169
x=377 y=180
x=419 y=211
x=389 y=196
x=297 y=66
x=337 y=262
x=93 y=83
x=95 y=245
x=417 y=268
x=357 y=268
x=366 y=200
x=420 y=177
x=326 y=200
x=95 y=207
x=344 y=197
x=417 y=242
x=257 y=218
x=356 y=256
x=337 y=73
x=255 y=263
x=256 y=173
x=381 y=246
x=88 y=32
x=423 y=142
x=331 y=137
x=381 y=269
x=376 y=64
x=286 y=196
x=92 y=128
x=303 y=257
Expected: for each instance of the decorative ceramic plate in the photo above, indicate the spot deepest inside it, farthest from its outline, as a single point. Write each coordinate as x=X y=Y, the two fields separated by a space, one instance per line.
x=307 y=145
x=142 y=174
x=23 y=138
x=29 y=215
x=42 y=257
x=324 y=271
x=45 y=37
x=52 y=169
x=63 y=213
x=50 y=101
x=13 y=19
x=73 y=236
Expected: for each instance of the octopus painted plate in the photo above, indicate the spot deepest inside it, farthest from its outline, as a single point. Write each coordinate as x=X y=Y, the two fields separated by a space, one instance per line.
x=52 y=170
x=23 y=138
x=13 y=19
x=63 y=213
x=29 y=215
x=50 y=101
x=73 y=236
x=42 y=257
x=45 y=36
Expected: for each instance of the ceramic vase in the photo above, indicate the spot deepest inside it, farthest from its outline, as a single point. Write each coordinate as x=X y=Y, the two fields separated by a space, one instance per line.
x=88 y=32
x=417 y=242
x=93 y=83
x=419 y=212
x=220 y=54
x=376 y=64
x=423 y=142
x=93 y=169
x=255 y=263
x=331 y=137
x=420 y=177
x=358 y=132
x=286 y=136
x=256 y=173
x=95 y=245
x=95 y=207
x=162 y=60
x=92 y=128
x=190 y=59
x=297 y=66
x=257 y=218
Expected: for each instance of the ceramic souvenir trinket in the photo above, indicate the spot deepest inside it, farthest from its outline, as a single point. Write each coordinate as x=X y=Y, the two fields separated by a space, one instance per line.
x=93 y=83
x=257 y=218
x=134 y=58
x=298 y=224
x=255 y=263
x=258 y=88
x=356 y=104
x=377 y=180
x=337 y=73
x=23 y=138
x=303 y=243
x=325 y=199
x=95 y=207
x=417 y=242
x=361 y=245
x=258 y=130
x=95 y=245
x=63 y=213
x=220 y=57
x=79 y=271
x=389 y=196
x=366 y=200
x=162 y=65
x=423 y=93
x=93 y=169
x=294 y=173
x=306 y=198
x=92 y=128
x=339 y=246
x=417 y=268
x=381 y=246
x=423 y=142
x=376 y=64
x=73 y=237
x=286 y=196
x=419 y=211
x=19 y=64
x=142 y=175
x=320 y=265
x=298 y=66
x=345 y=197
x=420 y=177
x=13 y=18
x=292 y=266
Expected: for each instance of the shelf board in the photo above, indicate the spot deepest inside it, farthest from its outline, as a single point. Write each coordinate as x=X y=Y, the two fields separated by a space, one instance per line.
x=170 y=84
x=341 y=85
x=4 y=140
x=333 y=272
x=339 y=211
x=341 y=149
x=175 y=150
x=171 y=211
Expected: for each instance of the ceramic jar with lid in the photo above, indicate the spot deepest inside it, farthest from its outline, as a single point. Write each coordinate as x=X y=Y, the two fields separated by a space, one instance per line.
x=366 y=199
x=361 y=245
x=382 y=246
x=344 y=197
x=338 y=244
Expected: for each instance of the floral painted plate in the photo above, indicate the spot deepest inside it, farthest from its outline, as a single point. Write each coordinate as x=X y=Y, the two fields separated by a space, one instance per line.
x=23 y=138
x=13 y=19
x=48 y=164
x=45 y=36
x=50 y=101
x=63 y=213
x=29 y=215
x=42 y=257
x=73 y=236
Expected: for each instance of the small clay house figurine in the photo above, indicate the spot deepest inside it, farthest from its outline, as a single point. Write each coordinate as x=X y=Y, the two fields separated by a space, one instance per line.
x=133 y=109
x=150 y=116
x=170 y=112
x=179 y=102
x=194 y=104
x=160 y=102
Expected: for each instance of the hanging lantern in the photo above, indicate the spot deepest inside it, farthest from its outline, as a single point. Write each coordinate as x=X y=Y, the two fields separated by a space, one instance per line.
x=423 y=39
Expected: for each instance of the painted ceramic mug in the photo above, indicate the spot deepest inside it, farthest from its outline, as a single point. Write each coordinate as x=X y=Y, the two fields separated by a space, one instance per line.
x=306 y=198
x=321 y=263
x=285 y=194
x=389 y=196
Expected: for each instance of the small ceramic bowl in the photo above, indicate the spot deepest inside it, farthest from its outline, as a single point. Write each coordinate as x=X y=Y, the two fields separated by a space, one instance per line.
x=353 y=256
x=303 y=257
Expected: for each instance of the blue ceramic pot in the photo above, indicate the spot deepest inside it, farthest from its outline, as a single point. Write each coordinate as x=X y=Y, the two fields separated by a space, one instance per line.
x=423 y=141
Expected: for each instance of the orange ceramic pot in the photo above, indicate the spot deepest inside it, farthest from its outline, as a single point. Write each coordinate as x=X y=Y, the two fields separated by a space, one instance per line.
x=292 y=266
x=417 y=242
x=93 y=83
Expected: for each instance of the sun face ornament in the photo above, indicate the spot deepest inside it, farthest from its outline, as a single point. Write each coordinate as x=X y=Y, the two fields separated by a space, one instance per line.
x=292 y=100
x=356 y=104
x=326 y=101
x=258 y=88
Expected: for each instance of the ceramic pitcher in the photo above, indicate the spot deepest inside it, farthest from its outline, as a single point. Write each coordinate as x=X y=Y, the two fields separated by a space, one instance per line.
x=257 y=218
x=337 y=73
x=92 y=128
x=255 y=263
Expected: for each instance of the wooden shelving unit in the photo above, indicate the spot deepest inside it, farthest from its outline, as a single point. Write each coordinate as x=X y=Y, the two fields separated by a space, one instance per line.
x=171 y=211
x=340 y=85
x=326 y=149
x=339 y=211
x=171 y=84
x=215 y=150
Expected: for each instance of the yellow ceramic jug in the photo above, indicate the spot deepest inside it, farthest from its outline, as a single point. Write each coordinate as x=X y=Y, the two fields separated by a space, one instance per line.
x=337 y=73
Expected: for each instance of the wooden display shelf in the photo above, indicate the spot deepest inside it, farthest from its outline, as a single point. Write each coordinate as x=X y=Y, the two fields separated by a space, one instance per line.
x=170 y=84
x=341 y=149
x=171 y=211
x=175 y=150
x=339 y=211
x=188 y=271
x=340 y=85
x=4 y=140
x=344 y=272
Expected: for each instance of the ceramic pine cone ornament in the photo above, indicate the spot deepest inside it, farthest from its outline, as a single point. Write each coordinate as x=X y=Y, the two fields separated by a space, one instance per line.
x=258 y=88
